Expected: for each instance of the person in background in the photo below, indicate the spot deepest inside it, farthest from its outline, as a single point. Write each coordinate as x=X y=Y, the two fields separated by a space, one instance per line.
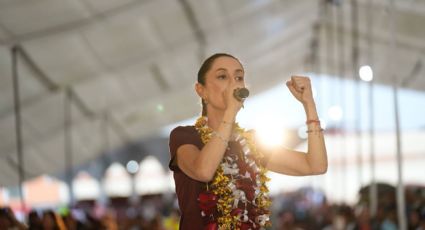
x=34 y=221
x=52 y=221
x=8 y=220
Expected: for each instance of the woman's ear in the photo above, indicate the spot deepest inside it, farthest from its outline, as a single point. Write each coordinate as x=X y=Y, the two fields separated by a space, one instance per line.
x=199 y=89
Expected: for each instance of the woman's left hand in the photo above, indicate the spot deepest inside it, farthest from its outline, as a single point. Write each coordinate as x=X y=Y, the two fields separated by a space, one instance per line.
x=300 y=87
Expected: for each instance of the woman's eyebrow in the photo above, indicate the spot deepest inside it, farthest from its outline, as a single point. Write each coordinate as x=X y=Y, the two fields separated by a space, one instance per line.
x=236 y=71
x=220 y=69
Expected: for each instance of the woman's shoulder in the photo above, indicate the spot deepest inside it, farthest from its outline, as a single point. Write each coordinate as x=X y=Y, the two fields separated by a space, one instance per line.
x=187 y=129
x=184 y=135
x=184 y=128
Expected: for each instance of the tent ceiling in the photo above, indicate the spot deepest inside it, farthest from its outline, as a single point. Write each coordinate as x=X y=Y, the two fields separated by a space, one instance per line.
x=122 y=59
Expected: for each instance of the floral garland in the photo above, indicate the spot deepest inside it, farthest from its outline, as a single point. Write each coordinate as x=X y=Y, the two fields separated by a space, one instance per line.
x=236 y=198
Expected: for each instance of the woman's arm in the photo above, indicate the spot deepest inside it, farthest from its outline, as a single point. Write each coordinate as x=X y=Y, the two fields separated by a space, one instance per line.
x=202 y=164
x=297 y=163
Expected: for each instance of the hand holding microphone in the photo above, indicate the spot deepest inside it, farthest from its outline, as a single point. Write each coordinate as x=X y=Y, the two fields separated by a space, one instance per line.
x=235 y=96
x=240 y=94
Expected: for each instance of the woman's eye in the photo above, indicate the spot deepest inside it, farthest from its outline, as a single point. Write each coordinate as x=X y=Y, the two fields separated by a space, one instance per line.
x=239 y=78
x=221 y=76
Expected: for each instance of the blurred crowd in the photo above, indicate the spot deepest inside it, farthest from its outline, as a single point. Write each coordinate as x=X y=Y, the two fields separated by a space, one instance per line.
x=305 y=208
x=309 y=209
x=53 y=220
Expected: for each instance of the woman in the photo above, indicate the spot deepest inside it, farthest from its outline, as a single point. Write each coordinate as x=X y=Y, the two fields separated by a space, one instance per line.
x=219 y=170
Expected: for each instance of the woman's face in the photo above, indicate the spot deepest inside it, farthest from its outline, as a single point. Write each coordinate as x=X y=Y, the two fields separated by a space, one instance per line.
x=225 y=72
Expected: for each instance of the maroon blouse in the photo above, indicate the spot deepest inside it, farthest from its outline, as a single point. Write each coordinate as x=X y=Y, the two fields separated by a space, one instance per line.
x=188 y=189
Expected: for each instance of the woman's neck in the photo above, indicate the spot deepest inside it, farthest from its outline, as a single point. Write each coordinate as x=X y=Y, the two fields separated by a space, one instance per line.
x=215 y=117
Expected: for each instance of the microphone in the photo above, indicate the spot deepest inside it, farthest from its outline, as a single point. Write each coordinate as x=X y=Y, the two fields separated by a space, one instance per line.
x=241 y=93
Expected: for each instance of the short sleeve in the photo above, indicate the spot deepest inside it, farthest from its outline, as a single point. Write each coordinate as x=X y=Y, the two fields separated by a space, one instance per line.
x=179 y=136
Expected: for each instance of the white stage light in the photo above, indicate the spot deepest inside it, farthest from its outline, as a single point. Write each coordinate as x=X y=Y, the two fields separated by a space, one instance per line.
x=366 y=73
x=132 y=167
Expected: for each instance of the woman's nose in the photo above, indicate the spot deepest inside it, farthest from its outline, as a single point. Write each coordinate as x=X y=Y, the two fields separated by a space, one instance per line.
x=235 y=79
x=238 y=82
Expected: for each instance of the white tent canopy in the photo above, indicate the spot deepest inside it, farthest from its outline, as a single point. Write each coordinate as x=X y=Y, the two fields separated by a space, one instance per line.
x=134 y=63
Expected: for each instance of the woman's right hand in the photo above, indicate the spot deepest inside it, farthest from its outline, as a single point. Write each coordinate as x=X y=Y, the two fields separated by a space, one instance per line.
x=232 y=104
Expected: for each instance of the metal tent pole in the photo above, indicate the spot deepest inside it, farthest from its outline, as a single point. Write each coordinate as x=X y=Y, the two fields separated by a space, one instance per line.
x=18 y=126
x=316 y=68
x=331 y=57
x=400 y=185
x=355 y=68
x=401 y=214
x=103 y=198
x=68 y=144
x=373 y=189
x=341 y=97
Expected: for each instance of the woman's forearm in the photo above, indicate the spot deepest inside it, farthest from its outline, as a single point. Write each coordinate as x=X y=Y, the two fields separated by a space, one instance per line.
x=316 y=154
x=212 y=152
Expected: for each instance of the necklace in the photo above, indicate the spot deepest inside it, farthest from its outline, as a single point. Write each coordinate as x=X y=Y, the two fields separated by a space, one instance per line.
x=237 y=196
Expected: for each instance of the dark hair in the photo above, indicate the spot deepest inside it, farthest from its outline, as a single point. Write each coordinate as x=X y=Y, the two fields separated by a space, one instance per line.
x=205 y=67
x=50 y=214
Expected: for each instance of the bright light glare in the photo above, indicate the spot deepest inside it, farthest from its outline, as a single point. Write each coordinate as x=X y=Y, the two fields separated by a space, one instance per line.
x=132 y=166
x=270 y=133
x=335 y=113
x=366 y=73
x=270 y=136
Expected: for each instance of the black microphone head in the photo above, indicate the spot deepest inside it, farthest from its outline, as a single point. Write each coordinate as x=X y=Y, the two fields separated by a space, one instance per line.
x=243 y=93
